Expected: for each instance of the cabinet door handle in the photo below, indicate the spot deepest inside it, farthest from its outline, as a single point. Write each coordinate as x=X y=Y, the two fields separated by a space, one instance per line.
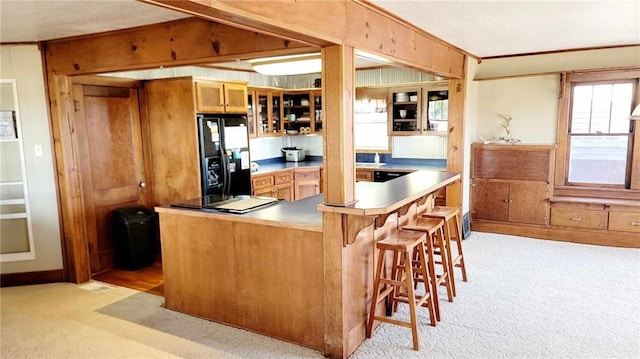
x=577 y=219
x=635 y=223
x=506 y=200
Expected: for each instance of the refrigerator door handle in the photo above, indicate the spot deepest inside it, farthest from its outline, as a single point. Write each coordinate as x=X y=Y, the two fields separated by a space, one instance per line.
x=226 y=185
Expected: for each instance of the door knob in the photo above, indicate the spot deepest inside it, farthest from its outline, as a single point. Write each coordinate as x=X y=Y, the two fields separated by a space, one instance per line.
x=142 y=184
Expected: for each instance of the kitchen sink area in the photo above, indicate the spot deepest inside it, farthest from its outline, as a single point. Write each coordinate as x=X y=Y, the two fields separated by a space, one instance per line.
x=369 y=164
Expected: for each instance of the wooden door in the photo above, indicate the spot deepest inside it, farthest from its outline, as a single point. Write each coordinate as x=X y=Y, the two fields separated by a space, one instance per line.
x=490 y=200
x=111 y=161
x=265 y=192
x=306 y=189
x=210 y=97
x=235 y=98
x=285 y=192
x=528 y=202
x=307 y=182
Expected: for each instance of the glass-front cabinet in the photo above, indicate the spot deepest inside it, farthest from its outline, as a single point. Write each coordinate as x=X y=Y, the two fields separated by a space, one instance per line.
x=419 y=110
x=251 y=113
x=302 y=111
x=268 y=112
x=436 y=103
x=16 y=240
x=316 y=111
x=406 y=113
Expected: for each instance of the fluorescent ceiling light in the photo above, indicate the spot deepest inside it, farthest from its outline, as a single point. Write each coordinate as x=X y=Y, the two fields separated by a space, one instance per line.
x=373 y=57
x=288 y=65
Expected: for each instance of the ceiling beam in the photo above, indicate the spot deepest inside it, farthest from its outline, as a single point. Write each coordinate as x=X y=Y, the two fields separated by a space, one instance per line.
x=357 y=24
x=177 y=43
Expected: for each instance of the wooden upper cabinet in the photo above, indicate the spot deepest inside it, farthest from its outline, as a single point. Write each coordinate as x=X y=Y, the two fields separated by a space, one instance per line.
x=405 y=115
x=419 y=110
x=221 y=97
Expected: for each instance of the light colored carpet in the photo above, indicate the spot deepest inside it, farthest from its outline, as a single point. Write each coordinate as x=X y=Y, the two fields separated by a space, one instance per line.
x=525 y=298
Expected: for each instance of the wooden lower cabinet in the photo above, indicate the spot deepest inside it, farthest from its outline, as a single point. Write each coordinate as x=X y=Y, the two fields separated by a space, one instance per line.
x=625 y=222
x=289 y=185
x=307 y=182
x=277 y=185
x=579 y=218
x=511 y=201
x=363 y=174
x=512 y=184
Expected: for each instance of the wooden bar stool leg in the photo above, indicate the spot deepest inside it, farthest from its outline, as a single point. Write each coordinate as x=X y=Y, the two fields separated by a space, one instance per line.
x=427 y=284
x=447 y=268
x=396 y=274
x=433 y=277
x=458 y=241
x=411 y=298
x=447 y=239
x=376 y=293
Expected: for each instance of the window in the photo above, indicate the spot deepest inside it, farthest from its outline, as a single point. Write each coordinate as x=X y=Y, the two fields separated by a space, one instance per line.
x=371 y=130
x=600 y=133
x=597 y=142
x=438 y=107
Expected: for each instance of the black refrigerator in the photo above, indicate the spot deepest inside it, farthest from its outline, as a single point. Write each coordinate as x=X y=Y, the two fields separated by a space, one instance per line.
x=225 y=165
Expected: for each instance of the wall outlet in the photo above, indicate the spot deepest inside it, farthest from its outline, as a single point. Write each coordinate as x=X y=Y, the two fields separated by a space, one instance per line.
x=38 y=149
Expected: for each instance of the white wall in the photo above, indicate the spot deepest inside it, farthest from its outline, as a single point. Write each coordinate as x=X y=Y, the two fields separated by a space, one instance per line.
x=558 y=62
x=23 y=63
x=263 y=148
x=531 y=101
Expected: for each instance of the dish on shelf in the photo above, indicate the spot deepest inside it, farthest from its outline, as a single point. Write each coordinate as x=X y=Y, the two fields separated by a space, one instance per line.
x=402 y=97
x=292 y=132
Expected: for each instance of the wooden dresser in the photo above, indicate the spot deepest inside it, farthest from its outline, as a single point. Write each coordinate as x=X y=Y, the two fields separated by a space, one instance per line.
x=512 y=192
x=511 y=183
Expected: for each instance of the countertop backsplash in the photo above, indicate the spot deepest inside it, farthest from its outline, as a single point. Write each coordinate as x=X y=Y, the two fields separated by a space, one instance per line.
x=270 y=147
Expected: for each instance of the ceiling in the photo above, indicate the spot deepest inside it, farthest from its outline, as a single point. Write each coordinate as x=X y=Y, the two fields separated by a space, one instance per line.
x=487 y=28
x=483 y=28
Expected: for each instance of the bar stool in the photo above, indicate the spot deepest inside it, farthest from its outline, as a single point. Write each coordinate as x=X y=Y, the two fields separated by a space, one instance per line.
x=433 y=228
x=449 y=215
x=402 y=244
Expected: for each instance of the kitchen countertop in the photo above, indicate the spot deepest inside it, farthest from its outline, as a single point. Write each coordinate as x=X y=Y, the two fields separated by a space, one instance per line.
x=389 y=166
x=300 y=214
x=373 y=198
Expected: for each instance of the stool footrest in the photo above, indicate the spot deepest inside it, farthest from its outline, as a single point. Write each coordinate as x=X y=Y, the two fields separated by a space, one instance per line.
x=393 y=282
x=393 y=321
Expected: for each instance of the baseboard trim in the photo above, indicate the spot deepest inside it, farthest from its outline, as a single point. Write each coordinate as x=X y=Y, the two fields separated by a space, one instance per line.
x=575 y=235
x=28 y=278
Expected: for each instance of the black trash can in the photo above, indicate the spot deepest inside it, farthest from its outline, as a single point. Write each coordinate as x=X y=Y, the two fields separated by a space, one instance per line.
x=134 y=232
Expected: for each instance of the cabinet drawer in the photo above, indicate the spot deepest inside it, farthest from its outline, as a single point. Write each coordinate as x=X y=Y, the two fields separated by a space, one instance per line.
x=364 y=175
x=283 y=177
x=307 y=175
x=262 y=182
x=622 y=221
x=580 y=218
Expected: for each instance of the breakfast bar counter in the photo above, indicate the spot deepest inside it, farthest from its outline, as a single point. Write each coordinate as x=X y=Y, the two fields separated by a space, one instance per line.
x=297 y=271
